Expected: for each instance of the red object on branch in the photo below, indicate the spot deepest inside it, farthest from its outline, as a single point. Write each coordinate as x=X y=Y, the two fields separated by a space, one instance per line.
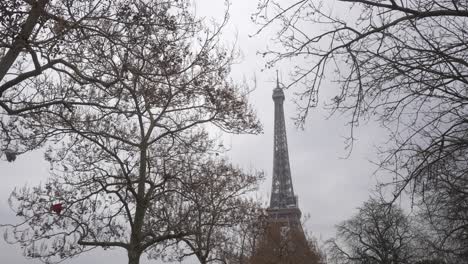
x=57 y=208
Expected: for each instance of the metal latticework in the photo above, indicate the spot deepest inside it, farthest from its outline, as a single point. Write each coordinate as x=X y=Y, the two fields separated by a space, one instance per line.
x=284 y=240
x=282 y=192
x=283 y=203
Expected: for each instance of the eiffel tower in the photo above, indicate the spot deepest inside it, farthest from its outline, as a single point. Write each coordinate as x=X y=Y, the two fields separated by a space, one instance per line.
x=283 y=208
x=283 y=240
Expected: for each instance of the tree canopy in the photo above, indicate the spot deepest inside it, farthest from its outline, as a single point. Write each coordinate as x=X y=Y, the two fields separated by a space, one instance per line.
x=376 y=234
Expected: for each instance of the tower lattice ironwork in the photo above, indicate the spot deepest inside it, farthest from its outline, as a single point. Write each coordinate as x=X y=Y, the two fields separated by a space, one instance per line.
x=283 y=203
x=283 y=239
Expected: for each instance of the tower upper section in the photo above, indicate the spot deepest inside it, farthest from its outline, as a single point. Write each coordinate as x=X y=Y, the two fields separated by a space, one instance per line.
x=282 y=192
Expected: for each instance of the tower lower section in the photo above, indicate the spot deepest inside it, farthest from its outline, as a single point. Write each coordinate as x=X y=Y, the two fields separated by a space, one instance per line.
x=283 y=240
x=285 y=216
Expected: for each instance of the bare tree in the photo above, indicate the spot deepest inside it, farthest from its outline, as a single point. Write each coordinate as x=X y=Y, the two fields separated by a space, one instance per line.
x=42 y=43
x=243 y=239
x=42 y=36
x=403 y=63
x=286 y=244
x=67 y=216
x=376 y=234
x=51 y=54
x=124 y=151
x=442 y=202
x=218 y=192
x=254 y=240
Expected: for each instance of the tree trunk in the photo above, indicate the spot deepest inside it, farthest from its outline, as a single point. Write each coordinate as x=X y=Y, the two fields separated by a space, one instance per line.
x=134 y=251
x=133 y=257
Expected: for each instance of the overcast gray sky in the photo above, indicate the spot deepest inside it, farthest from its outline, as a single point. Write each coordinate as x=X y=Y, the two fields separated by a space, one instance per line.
x=329 y=187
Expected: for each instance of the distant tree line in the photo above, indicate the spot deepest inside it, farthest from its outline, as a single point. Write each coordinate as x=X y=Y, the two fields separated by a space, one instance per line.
x=384 y=234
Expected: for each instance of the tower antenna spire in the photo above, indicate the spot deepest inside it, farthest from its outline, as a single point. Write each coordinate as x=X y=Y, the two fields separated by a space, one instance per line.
x=277 y=79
